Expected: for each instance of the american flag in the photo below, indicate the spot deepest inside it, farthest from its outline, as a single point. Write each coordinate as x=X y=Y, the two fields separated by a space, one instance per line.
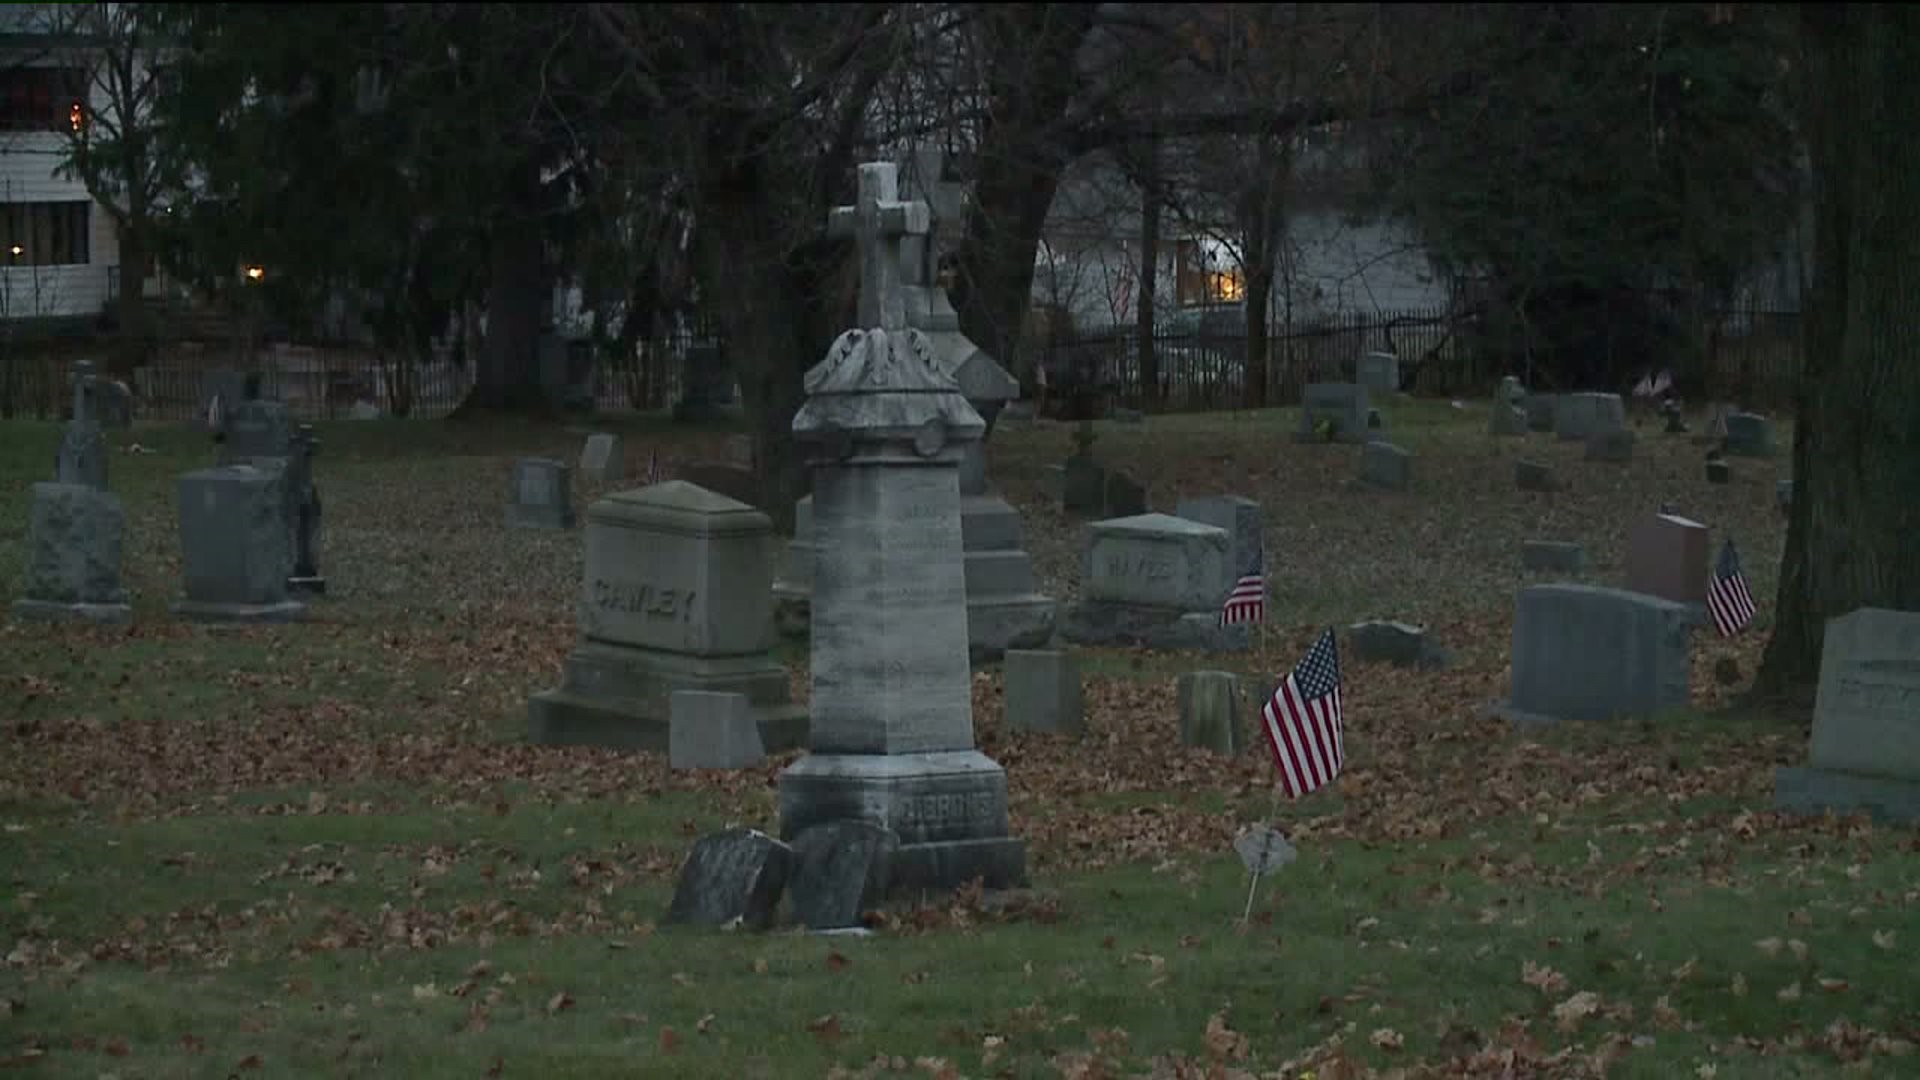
x=1302 y=721
x=1728 y=600
x=1654 y=386
x=1247 y=601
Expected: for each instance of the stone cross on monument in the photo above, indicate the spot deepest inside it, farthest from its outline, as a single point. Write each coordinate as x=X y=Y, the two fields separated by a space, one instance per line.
x=878 y=221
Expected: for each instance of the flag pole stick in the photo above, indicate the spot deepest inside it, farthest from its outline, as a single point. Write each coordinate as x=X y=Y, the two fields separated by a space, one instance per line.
x=1253 y=876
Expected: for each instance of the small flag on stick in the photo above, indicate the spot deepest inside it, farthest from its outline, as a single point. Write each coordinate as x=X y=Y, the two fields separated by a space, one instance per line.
x=1728 y=600
x=1247 y=601
x=1302 y=721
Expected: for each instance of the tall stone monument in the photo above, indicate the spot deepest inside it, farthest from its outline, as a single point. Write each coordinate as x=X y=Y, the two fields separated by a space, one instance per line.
x=891 y=736
x=1005 y=609
x=82 y=458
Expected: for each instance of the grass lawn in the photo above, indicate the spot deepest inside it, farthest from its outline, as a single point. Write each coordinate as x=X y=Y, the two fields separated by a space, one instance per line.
x=325 y=849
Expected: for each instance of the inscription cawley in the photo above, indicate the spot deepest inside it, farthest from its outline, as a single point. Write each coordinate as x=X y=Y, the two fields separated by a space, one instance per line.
x=641 y=598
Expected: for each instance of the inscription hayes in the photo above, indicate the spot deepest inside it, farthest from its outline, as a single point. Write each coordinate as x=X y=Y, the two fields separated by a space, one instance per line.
x=641 y=598
x=1141 y=567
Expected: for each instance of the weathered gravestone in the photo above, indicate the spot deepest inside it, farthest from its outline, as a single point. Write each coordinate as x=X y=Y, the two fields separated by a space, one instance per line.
x=73 y=557
x=1342 y=406
x=1581 y=652
x=1156 y=581
x=236 y=545
x=891 y=736
x=842 y=869
x=82 y=457
x=1043 y=692
x=255 y=428
x=1397 y=643
x=1386 y=466
x=1246 y=544
x=734 y=874
x=603 y=460
x=1379 y=372
x=1506 y=419
x=1577 y=417
x=1866 y=721
x=1749 y=435
x=220 y=390
x=542 y=495
x=674 y=596
x=1667 y=558
x=1540 y=410
x=1675 y=418
x=1212 y=707
x=1718 y=471
x=708 y=729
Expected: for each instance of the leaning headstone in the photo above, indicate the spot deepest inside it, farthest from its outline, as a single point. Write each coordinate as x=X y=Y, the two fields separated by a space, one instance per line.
x=1581 y=652
x=1043 y=692
x=1667 y=558
x=602 y=460
x=1379 y=372
x=1534 y=476
x=1579 y=416
x=1212 y=704
x=1396 y=643
x=72 y=570
x=712 y=730
x=1865 y=752
x=843 y=868
x=1341 y=407
x=891 y=740
x=1718 y=471
x=1552 y=556
x=82 y=457
x=542 y=495
x=1155 y=581
x=236 y=545
x=1386 y=466
x=674 y=596
x=1610 y=446
x=1541 y=409
x=1749 y=435
x=732 y=877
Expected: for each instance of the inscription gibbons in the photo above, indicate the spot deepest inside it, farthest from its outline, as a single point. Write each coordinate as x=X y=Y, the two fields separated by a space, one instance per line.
x=938 y=811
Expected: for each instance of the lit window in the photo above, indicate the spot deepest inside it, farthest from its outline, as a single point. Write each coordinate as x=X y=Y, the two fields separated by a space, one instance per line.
x=1224 y=286
x=76 y=116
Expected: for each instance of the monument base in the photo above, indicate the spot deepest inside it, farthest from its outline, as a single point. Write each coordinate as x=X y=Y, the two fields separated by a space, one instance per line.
x=1806 y=790
x=310 y=586
x=204 y=611
x=1103 y=622
x=28 y=610
x=618 y=696
x=949 y=810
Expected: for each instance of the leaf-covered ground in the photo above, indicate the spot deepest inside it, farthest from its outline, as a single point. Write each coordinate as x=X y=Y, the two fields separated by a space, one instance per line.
x=326 y=850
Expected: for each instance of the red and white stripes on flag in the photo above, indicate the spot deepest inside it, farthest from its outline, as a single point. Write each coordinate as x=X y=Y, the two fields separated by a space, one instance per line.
x=1302 y=721
x=1247 y=601
x=1728 y=600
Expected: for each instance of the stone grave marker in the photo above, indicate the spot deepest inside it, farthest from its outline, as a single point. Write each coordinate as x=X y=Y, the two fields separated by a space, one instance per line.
x=1125 y=496
x=255 y=428
x=1581 y=652
x=891 y=744
x=1379 y=372
x=843 y=868
x=82 y=457
x=72 y=573
x=1534 y=476
x=1241 y=517
x=1610 y=446
x=1552 y=556
x=733 y=874
x=1156 y=581
x=1506 y=419
x=1577 y=417
x=1541 y=410
x=1386 y=466
x=1667 y=558
x=542 y=495
x=236 y=545
x=1718 y=471
x=1510 y=391
x=1865 y=751
x=710 y=729
x=1343 y=405
x=675 y=595
x=1212 y=704
x=1396 y=643
x=603 y=459
x=1749 y=435
x=220 y=390
x=1675 y=418
x=1043 y=692
x=1083 y=486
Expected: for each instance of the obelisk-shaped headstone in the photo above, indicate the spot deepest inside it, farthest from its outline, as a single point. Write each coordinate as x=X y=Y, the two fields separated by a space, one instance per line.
x=891 y=733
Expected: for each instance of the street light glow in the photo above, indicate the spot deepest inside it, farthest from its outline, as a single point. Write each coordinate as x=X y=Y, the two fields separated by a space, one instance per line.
x=255 y=273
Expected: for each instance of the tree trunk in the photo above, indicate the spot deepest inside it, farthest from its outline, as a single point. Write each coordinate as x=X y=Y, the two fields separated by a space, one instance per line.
x=507 y=376
x=1152 y=198
x=1856 y=448
x=131 y=348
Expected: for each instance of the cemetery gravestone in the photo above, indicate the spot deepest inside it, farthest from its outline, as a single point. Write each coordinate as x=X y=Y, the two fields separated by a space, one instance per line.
x=1379 y=372
x=72 y=571
x=255 y=429
x=1718 y=471
x=1043 y=692
x=1241 y=518
x=1506 y=419
x=1386 y=466
x=1342 y=405
x=1396 y=643
x=1211 y=707
x=1156 y=581
x=1581 y=652
x=1676 y=420
x=1083 y=487
x=1577 y=417
x=674 y=596
x=236 y=545
x=843 y=869
x=603 y=459
x=734 y=874
x=542 y=495
x=1865 y=751
x=1749 y=435
x=1541 y=410
x=220 y=390
x=82 y=457
x=891 y=738
x=1667 y=558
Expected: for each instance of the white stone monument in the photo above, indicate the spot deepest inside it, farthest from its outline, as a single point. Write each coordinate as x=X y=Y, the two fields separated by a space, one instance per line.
x=891 y=734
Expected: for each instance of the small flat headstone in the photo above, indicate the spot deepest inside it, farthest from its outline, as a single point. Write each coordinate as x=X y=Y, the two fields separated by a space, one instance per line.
x=602 y=460
x=734 y=874
x=1719 y=472
x=1540 y=410
x=1333 y=412
x=1043 y=691
x=1865 y=755
x=1386 y=466
x=1534 y=476
x=1211 y=704
x=542 y=495
x=1577 y=416
x=842 y=870
x=1749 y=435
x=1582 y=652
x=1394 y=643
x=712 y=730
x=1379 y=372
x=1552 y=556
